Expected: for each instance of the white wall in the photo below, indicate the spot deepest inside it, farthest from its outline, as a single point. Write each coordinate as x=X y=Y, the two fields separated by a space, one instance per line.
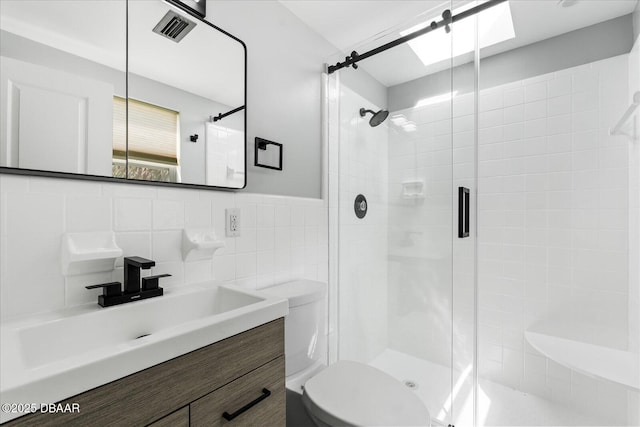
x=285 y=62
x=553 y=231
x=282 y=238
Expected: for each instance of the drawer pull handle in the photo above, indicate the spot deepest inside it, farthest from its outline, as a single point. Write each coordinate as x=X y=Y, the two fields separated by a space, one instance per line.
x=265 y=393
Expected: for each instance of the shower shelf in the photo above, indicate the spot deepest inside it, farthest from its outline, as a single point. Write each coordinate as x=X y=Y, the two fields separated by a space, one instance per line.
x=413 y=189
x=593 y=360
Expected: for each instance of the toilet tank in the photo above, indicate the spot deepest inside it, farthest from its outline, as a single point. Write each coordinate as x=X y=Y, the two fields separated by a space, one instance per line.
x=305 y=337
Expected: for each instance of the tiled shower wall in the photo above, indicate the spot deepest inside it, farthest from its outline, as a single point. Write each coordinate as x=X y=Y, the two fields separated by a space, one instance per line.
x=282 y=238
x=358 y=165
x=553 y=228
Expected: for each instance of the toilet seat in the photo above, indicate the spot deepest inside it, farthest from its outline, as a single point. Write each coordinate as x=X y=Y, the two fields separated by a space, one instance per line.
x=354 y=394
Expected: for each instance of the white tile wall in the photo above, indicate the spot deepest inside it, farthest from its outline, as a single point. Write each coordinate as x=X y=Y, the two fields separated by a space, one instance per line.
x=553 y=228
x=358 y=165
x=280 y=237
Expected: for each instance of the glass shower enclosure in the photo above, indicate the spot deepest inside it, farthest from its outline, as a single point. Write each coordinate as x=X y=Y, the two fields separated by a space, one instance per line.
x=500 y=240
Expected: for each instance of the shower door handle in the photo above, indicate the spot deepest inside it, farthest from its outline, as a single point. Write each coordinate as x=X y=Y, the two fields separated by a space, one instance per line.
x=463 y=212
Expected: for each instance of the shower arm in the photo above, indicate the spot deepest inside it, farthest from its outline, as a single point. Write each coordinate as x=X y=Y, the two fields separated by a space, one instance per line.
x=447 y=19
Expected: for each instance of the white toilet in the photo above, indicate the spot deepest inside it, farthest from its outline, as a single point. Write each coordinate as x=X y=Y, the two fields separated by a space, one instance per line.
x=346 y=393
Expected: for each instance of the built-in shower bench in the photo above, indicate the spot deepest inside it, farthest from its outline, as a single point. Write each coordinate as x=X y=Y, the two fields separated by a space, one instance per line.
x=615 y=365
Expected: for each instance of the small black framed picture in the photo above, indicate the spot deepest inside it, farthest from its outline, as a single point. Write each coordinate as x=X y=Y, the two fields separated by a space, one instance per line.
x=268 y=154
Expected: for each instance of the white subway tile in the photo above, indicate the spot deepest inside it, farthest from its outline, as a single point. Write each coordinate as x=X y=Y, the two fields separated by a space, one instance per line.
x=584 y=79
x=248 y=214
x=265 y=216
x=513 y=96
x=514 y=114
x=224 y=267
x=535 y=110
x=536 y=92
x=559 y=143
x=31 y=290
x=246 y=241
x=30 y=213
x=282 y=216
x=133 y=244
x=560 y=181
x=132 y=214
x=490 y=100
x=167 y=246
x=559 y=106
x=245 y=265
x=535 y=128
x=586 y=159
x=559 y=124
x=265 y=263
x=265 y=239
x=88 y=214
x=513 y=131
x=489 y=119
x=560 y=85
x=584 y=120
x=175 y=269
x=168 y=214
x=197 y=271
x=586 y=100
x=198 y=215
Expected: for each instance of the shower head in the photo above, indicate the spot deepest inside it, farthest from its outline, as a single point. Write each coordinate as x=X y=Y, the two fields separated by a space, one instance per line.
x=377 y=118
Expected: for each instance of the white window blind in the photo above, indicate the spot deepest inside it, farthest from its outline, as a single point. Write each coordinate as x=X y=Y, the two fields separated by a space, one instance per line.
x=153 y=132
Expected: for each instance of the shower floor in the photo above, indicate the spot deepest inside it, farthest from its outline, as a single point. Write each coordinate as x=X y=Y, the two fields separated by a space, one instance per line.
x=498 y=405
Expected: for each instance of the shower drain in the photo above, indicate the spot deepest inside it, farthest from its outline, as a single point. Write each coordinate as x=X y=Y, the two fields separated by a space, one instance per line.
x=411 y=384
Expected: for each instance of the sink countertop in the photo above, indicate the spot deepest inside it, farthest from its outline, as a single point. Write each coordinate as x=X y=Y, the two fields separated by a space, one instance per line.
x=50 y=357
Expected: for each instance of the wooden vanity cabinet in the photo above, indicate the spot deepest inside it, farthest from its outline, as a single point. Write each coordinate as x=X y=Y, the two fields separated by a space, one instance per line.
x=195 y=389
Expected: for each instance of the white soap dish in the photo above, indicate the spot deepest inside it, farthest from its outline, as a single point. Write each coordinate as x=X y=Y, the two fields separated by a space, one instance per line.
x=413 y=189
x=199 y=244
x=93 y=252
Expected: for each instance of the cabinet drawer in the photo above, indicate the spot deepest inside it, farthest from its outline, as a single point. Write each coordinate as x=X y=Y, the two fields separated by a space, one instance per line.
x=247 y=399
x=180 y=418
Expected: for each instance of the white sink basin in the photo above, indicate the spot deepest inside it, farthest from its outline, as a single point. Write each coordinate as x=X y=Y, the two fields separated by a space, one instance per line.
x=48 y=358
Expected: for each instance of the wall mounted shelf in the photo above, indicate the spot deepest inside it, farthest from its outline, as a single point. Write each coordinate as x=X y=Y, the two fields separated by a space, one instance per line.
x=200 y=244
x=84 y=253
x=413 y=189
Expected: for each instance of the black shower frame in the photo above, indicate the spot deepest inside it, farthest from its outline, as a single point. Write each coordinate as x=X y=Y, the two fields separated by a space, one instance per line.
x=446 y=21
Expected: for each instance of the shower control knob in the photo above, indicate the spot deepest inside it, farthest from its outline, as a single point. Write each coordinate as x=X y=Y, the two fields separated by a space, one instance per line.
x=360 y=206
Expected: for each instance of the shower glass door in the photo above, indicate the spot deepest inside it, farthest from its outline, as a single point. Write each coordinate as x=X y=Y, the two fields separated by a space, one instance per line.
x=401 y=280
x=558 y=216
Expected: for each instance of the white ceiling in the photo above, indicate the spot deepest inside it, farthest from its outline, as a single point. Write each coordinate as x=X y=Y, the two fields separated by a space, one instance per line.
x=363 y=25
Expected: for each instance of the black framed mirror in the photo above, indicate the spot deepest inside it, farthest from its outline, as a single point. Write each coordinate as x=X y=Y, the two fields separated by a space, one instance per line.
x=138 y=90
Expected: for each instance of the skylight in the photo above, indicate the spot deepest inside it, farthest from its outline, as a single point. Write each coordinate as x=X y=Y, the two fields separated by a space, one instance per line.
x=495 y=25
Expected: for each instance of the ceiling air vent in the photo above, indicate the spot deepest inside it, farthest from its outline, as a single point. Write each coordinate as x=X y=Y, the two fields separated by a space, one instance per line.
x=174 y=26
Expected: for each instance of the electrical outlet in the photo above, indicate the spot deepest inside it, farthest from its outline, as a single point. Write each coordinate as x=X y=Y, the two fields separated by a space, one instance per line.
x=233 y=222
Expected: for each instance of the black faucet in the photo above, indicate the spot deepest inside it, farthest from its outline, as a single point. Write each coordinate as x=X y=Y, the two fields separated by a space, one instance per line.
x=132 y=267
x=112 y=293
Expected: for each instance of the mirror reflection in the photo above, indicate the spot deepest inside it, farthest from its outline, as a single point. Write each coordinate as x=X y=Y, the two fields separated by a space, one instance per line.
x=69 y=105
x=175 y=61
